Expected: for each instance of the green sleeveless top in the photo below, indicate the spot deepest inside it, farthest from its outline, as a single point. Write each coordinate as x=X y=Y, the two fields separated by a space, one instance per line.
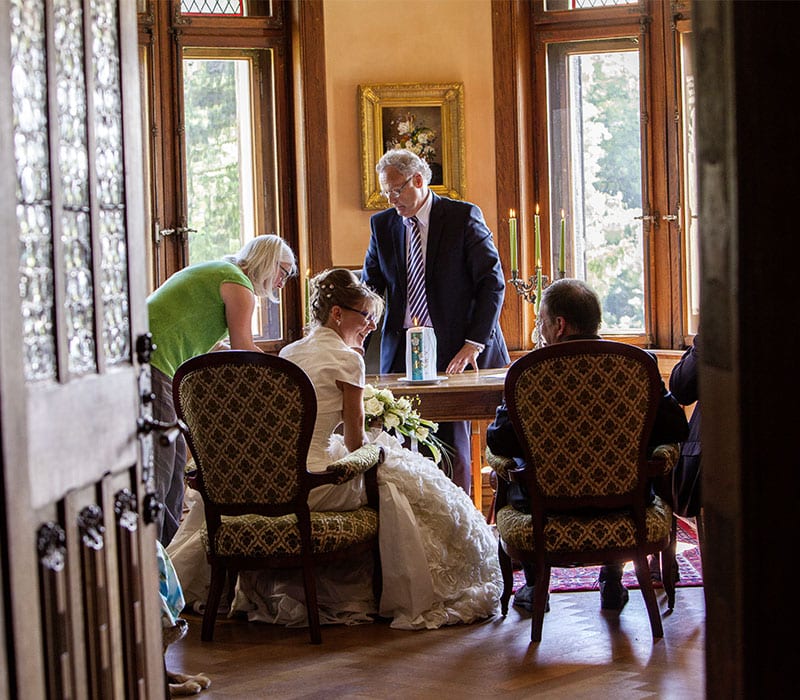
x=187 y=314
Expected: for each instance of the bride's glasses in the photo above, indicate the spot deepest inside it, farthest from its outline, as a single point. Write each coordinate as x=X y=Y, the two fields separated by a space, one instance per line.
x=368 y=317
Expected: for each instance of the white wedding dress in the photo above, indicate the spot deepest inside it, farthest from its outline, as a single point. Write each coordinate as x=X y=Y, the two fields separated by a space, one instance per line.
x=438 y=555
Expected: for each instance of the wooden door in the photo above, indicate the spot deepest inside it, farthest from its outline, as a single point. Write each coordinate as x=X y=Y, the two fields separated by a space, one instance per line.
x=80 y=586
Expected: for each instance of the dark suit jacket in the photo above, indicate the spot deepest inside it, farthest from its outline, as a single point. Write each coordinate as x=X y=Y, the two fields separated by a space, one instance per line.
x=686 y=477
x=463 y=280
x=670 y=425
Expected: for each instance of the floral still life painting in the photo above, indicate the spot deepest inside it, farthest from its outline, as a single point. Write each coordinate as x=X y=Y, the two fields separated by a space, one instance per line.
x=405 y=132
x=426 y=118
x=417 y=131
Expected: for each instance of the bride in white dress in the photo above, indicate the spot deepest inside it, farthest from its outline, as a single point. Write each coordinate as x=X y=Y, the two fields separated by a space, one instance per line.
x=438 y=555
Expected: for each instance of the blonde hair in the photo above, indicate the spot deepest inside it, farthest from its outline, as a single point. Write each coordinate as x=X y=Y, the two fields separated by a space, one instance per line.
x=340 y=287
x=260 y=259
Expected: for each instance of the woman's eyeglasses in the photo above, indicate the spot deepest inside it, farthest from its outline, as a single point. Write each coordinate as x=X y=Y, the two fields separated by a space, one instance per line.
x=368 y=317
x=284 y=273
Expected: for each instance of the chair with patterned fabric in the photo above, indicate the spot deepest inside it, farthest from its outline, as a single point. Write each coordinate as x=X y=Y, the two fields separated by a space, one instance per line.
x=250 y=417
x=583 y=411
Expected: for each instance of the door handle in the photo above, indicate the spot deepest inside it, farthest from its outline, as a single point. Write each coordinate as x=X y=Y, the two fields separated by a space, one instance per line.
x=167 y=432
x=160 y=233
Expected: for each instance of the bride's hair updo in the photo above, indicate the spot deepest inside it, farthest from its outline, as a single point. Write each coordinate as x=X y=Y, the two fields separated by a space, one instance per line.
x=340 y=287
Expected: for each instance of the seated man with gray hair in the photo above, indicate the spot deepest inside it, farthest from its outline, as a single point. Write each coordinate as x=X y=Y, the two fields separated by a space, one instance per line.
x=570 y=310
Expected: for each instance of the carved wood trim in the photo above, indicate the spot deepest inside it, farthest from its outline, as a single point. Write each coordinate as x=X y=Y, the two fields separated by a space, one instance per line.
x=53 y=600
x=131 y=603
x=513 y=151
x=95 y=603
x=312 y=132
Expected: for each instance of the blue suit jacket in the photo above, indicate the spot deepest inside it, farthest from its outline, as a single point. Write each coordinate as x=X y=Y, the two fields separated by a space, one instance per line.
x=463 y=280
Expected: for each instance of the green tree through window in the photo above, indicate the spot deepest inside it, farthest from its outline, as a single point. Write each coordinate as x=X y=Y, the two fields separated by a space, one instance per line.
x=213 y=144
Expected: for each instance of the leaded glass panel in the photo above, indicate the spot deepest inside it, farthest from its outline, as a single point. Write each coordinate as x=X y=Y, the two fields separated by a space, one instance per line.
x=211 y=7
x=78 y=307
x=110 y=183
x=35 y=212
x=74 y=172
x=29 y=98
x=554 y=5
x=228 y=8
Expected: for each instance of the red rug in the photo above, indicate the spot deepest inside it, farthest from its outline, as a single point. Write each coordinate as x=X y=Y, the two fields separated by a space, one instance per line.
x=585 y=578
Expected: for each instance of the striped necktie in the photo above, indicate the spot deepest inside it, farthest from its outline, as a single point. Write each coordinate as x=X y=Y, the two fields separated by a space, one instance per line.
x=417 y=302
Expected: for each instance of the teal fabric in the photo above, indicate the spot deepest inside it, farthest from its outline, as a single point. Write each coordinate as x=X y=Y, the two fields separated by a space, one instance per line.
x=187 y=315
x=169 y=588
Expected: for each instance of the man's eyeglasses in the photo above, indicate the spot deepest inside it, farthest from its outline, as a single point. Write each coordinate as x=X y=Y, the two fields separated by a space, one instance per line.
x=368 y=317
x=397 y=191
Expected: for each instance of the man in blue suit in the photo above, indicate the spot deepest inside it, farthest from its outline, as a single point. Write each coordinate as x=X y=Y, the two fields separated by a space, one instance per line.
x=464 y=283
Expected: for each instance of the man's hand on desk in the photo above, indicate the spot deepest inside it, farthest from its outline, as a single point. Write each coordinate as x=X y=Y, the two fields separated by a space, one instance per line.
x=467 y=356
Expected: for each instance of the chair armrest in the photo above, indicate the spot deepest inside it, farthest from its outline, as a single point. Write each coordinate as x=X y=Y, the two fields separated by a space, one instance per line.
x=357 y=462
x=501 y=465
x=663 y=459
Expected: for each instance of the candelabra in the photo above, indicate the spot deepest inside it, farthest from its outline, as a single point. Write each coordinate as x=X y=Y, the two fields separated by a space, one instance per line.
x=531 y=291
x=528 y=290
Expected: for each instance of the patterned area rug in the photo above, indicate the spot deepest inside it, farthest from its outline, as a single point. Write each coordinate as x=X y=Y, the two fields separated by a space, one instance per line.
x=580 y=578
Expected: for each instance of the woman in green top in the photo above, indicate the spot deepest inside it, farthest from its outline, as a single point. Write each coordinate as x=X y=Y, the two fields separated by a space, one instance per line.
x=190 y=313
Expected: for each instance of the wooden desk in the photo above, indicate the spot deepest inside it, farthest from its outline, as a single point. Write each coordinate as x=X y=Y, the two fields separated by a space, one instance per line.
x=468 y=396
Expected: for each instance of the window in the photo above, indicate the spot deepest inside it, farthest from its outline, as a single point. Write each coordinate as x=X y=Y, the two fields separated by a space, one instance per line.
x=220 y=163
x=619 y=160
x=688 y=214
x=216 y=84
x=596 y=86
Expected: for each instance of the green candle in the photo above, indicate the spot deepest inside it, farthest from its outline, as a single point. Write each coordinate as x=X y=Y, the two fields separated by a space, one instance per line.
x=512 y=235
x=538 y=285
x=562 y=267
x=308 y=296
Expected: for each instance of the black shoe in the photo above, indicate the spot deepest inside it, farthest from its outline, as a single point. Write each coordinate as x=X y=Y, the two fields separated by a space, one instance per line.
x=676 y=572
x=613 y=595
x=523 y=598
x=655 y=568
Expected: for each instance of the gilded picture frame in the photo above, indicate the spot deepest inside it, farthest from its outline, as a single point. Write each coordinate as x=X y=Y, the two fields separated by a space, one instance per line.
x=427 y=118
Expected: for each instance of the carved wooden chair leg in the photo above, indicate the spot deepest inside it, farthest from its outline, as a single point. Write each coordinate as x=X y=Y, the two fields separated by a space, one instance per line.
x=218 y=576
x=649 y=594
x=311 y=603
x=669 y=565
x=508 y=578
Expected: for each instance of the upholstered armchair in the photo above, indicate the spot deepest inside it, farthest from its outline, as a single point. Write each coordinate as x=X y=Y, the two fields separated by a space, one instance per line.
x=584 y=411
x=250 y=418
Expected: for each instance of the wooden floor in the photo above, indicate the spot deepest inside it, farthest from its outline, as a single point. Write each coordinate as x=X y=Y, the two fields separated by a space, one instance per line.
x=584 y=653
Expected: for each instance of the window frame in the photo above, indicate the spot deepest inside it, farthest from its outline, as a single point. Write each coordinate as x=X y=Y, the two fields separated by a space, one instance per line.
x=520 y=77
x=164 y=34
x=559 y=188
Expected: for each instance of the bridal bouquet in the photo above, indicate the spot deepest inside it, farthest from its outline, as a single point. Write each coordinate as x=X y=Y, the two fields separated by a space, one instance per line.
x=383 y=410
